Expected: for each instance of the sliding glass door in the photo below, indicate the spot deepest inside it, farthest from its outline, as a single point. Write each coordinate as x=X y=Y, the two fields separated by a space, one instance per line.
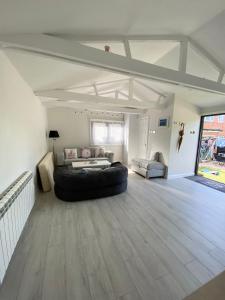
x=211 y=152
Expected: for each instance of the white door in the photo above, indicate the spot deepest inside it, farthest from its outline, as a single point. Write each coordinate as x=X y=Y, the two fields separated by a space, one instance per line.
x=143 y=137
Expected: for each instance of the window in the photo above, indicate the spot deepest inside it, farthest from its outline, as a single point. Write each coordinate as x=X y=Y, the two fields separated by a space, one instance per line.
x=221 y=118
x=106 y=132
x=209 y=119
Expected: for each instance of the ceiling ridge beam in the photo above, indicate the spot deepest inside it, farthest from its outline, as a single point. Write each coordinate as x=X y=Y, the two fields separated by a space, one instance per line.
x=94 y=107
x=98 y=83
x=76 y=53
x=91 y=99
x=122 y=38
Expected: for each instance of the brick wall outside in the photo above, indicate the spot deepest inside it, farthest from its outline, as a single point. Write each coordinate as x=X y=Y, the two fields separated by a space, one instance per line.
x=217 y=124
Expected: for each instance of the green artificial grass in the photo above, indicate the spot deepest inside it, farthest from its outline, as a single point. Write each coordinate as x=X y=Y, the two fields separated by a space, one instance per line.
x=220 y=177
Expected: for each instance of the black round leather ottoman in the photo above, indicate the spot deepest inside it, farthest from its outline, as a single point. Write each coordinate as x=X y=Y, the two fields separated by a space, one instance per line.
x=75 y=185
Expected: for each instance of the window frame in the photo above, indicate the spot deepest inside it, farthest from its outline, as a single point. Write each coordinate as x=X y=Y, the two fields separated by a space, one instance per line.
x=200 y=137
x=219 y=118
x=209 y=119
x=108 y=122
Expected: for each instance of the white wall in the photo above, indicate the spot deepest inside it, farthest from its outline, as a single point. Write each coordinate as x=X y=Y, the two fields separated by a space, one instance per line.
x=160 y=141
x=74 y=128
x=131 y=138
x=23 y=125
x=182 y=163
x=165 y=139
x=126 y=139
x=213 y=110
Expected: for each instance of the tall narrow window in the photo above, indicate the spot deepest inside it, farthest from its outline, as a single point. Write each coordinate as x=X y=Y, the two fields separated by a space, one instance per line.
x=106 y=132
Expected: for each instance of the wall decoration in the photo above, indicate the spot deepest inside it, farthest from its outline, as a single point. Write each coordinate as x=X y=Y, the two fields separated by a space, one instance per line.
x=181 y=136
x=163 y=122
x=107 y=48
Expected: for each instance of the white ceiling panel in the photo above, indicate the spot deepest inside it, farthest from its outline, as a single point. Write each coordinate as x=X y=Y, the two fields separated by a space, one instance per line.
x=106 y=17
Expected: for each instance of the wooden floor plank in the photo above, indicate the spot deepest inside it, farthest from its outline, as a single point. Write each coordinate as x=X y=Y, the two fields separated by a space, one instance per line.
x=219 y=255
x=187 y=282
x=99 y=280
x=160 y=240
x=169 y=288
x=77 y=283
x=116 y=265
x=181 y=244
x=198 y=270
x=140 y=244
x=28 y=263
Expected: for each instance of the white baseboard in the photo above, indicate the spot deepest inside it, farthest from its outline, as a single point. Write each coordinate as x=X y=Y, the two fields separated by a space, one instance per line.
x=174 y=176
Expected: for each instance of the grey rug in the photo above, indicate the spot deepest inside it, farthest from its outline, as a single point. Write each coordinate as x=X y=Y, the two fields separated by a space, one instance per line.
x=208 y=182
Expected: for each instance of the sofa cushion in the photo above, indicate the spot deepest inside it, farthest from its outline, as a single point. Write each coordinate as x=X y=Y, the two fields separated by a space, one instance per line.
x=136 y=162
x=148 y=164
x=155 y=165
x=158 y=156
x=93 y=149
x=100 y=152
x=155 y=173
x=143 y=163
x=86 y=153
x=70 y=153
x=79 y=151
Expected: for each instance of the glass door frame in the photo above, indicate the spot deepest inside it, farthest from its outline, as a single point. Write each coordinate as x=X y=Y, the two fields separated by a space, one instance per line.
x=200 y=138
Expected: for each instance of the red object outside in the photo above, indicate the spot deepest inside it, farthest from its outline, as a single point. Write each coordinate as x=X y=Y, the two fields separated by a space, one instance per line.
x=214 y=126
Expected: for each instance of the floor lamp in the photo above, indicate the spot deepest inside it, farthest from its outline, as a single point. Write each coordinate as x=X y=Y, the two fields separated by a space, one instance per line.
x=53 y=134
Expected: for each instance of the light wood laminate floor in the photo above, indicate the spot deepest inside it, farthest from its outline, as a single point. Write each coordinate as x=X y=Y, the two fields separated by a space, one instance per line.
x=161 y=240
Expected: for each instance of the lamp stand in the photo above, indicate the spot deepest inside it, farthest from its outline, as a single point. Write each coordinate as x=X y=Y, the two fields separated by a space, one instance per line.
x=53 y=146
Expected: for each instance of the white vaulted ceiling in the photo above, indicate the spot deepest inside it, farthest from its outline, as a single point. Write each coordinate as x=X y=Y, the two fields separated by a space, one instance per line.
x=201 y=20
x=46 y=74
x=106 y=17
x=211 y=36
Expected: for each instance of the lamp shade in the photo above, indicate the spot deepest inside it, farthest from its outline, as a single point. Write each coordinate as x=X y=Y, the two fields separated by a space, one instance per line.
x=53 y=134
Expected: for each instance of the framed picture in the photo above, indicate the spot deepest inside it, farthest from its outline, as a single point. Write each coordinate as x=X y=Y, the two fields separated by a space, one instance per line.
x=163 y=122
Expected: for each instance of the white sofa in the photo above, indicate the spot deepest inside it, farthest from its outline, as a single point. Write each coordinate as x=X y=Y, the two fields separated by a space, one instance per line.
x=62 y=160
x=150 y=168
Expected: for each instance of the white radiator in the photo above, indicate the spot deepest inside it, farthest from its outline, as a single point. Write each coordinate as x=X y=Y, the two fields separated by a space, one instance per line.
x=15 y=206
